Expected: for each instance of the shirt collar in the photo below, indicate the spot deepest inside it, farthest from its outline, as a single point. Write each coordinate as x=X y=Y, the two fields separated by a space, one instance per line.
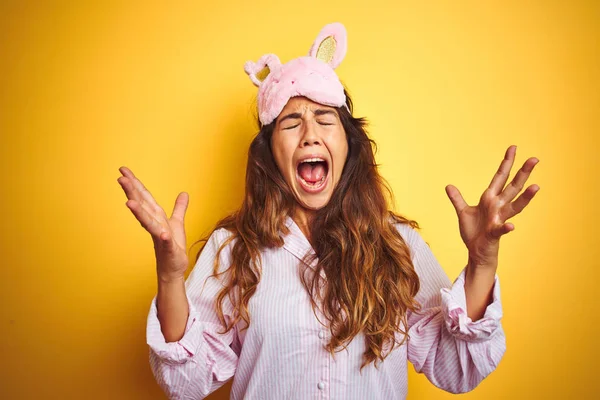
x=297 y=244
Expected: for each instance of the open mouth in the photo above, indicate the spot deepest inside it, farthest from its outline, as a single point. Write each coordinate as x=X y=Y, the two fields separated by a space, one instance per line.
x=312 y=174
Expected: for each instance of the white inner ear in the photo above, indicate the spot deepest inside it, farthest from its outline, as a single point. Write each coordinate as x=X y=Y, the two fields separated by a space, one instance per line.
x=326 y=49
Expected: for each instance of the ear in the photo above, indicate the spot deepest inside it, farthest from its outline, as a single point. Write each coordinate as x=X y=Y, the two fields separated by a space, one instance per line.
x=259 y=70
x=330 y=45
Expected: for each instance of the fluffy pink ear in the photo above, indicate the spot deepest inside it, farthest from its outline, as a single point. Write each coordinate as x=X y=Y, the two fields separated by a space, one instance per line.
x=259 y=70
x=330 y=45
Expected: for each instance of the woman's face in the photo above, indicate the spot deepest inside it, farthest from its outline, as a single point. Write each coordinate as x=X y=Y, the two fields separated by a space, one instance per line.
x=310 y=148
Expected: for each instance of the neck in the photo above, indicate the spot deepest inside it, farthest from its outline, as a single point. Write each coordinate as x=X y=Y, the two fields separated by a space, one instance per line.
x=303 y=217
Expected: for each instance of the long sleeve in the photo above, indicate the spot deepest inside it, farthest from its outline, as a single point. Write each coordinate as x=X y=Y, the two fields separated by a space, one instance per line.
x=453 y=352
x=202 y=360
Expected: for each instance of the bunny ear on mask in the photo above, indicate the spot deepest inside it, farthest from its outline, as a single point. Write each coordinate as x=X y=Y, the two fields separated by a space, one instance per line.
x=258 y=71
x=311 y=76
x=330 y=45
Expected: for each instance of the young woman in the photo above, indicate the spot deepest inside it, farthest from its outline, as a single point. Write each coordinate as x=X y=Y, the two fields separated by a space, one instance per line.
x=314 y=288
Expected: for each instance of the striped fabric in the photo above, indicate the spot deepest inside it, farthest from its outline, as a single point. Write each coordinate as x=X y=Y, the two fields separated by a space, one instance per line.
x=281 y=354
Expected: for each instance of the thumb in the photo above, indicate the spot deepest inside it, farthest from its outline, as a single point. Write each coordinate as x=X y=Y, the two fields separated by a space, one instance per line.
x=456 y=198
x=181 y=204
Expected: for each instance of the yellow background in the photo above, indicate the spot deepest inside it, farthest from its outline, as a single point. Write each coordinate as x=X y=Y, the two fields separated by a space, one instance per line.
x=160 y=88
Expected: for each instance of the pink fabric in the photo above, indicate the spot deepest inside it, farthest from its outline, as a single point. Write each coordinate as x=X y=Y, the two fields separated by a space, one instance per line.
x=281 y=355
x=303 y=76
x=338 y=32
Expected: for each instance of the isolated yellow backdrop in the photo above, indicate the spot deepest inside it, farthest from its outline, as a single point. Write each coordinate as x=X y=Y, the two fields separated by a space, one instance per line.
x=447 y=86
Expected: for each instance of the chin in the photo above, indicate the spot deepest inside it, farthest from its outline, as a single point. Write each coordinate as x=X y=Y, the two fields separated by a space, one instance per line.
x=312 y=201
x=312 y=204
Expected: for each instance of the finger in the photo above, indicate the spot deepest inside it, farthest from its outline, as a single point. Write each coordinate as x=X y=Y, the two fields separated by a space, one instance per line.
x=143 y=194
x=134 y=194
x=521 y=202
x=502 y=230
x=456 y=198
x=181 y=204
x=518 y=182
x=501 y=176
x=145 y=218
x=130 y=191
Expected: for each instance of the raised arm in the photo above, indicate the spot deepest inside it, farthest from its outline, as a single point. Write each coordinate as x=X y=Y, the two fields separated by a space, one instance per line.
x=452 y=351
x=187 y=356
x=202 y=360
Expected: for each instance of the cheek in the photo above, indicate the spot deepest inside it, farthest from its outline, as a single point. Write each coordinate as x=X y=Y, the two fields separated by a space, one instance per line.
x=341 y=161
x=281 y=154
x=339 y=151
x=344 y=151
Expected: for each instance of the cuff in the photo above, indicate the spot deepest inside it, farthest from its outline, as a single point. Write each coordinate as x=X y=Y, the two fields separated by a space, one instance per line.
x=458 y=323
x=174 y=352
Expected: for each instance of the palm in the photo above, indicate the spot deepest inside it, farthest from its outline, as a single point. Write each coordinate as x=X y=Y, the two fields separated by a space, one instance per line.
x=471 y=223
x=481 y=226
x=178 y=232
x=172 y=227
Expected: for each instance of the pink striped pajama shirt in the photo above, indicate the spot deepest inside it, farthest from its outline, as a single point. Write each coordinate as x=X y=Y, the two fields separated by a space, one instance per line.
x=281 y=355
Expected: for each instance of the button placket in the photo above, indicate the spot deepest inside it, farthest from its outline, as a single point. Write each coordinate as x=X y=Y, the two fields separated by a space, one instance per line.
x=325 y=383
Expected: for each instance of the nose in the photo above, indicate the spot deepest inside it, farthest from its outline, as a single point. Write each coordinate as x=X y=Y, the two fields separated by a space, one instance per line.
x=310 y=137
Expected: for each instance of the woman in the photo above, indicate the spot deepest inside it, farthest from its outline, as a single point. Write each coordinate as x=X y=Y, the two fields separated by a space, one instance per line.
x=314 y=288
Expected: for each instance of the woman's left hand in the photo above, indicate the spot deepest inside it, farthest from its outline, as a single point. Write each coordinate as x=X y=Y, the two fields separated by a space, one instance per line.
x=481 y=226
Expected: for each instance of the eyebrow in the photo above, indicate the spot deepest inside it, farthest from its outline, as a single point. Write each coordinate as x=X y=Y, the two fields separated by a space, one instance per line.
x=289 y=116
x=320 y=111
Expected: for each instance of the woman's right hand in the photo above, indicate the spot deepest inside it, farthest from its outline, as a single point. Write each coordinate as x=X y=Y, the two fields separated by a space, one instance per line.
x=168 y=234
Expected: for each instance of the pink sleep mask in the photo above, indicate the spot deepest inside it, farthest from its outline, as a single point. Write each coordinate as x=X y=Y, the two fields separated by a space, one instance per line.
x=312 y=76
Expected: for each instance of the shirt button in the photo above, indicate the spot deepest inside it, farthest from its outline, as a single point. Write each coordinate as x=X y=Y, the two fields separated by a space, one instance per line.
x=321 y=385
x=321 y=334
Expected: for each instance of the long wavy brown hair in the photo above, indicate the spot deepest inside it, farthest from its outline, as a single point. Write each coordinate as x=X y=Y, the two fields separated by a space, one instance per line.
x=370 y=278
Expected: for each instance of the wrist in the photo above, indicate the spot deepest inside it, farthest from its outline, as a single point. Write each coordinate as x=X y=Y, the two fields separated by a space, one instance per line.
x=480 y=264
x=170 y=279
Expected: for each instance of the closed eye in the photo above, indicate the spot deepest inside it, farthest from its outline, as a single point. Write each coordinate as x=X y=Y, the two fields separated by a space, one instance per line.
x=324 y=123
x=291 y=127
